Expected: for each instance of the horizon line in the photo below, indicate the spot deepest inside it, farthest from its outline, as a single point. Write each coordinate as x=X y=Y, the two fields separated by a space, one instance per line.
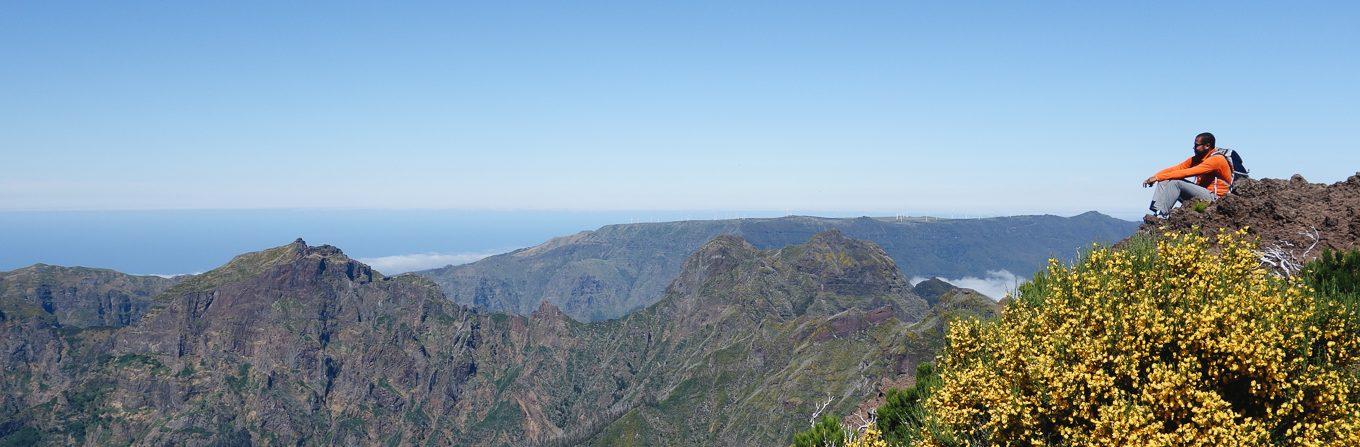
x=786 y=212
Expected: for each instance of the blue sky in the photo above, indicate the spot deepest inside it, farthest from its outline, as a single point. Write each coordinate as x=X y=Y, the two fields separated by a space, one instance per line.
x=892 y=107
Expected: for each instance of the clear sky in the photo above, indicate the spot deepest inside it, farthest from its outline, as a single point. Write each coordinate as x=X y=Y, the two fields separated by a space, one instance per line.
x=892 y=107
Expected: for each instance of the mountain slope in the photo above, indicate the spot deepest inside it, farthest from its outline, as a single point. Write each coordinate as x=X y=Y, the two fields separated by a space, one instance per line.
x=616 y=269
x=301 y=345
x=743 y=336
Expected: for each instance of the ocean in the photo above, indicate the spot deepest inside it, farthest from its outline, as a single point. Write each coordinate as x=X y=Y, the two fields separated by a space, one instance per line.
x=192 y=241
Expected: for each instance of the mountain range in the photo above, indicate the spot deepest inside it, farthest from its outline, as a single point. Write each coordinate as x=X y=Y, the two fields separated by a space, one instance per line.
x=609 y=272
x=301 y=345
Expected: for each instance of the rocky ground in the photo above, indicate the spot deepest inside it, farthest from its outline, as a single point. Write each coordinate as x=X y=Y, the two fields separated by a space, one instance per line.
x=1294 y=219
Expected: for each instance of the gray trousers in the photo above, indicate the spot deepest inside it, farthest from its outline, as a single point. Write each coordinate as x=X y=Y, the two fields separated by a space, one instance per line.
x=1168 y=192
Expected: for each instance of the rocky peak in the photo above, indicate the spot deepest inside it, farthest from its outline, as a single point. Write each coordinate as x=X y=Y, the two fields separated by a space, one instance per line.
x=718 y=256
x=831 y=237
x=931 y=289
x=826 y=275
x=725 y=246
x=828 y=245
x=296 y=258
x=846 y=266
x=547 y=311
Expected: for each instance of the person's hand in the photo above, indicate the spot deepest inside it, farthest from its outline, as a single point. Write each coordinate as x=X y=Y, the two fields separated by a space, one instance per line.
x=1149 y=181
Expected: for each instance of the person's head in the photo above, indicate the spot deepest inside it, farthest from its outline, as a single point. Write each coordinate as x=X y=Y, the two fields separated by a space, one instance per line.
x=1204 y=143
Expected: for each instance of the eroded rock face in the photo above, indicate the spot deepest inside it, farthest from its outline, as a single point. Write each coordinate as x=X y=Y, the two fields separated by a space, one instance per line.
x=1285 y=214
x=301 y=345
x=80 y=296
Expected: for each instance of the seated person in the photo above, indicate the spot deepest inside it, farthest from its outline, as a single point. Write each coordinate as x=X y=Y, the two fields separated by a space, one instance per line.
x=1213 y=175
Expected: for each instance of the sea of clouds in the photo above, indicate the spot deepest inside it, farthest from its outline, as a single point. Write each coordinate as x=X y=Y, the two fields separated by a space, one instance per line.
x=391 y=265
x=995 y=284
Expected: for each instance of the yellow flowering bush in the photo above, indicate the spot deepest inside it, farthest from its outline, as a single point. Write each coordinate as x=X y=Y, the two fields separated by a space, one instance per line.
x=1181 y=341
x=869 y=438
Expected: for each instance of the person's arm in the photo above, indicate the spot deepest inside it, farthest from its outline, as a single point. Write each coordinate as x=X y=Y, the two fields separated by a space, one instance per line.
x=1178 y=166
x=1209 y=164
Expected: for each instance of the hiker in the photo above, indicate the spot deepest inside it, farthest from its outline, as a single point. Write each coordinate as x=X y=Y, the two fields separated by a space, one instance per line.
x=1213 y=174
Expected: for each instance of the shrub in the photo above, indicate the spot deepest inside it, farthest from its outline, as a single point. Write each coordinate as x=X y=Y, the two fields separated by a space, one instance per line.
x=826 y=432
x=1336 y=276
x=902 y=414
x=1190 y=343
x=870 y=438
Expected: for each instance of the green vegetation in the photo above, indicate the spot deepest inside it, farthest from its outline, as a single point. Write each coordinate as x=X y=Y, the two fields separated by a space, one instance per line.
x=140 y=360
x=1183 y=340
x=827 y=432
x=1336 y=276
x=239 y=268
x=1192 y=342
x=238 y=382
x=903 y=413
x=22 y=437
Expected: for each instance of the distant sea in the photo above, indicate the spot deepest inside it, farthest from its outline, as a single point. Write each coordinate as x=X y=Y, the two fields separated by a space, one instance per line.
x=393 y=241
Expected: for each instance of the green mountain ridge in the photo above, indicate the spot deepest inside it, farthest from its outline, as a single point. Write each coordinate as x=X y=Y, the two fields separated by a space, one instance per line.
x=617 y=269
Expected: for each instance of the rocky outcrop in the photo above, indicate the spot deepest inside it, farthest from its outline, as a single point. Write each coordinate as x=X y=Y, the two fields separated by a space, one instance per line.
x=1294 y=219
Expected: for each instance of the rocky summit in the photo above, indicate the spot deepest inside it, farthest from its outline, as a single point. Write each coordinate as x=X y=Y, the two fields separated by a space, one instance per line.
x=1294 y=219
x=301 y=345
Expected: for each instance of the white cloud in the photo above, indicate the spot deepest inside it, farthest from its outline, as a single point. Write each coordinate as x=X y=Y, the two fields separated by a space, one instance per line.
x=165 y=275
x=996 y=284
x=395 y=264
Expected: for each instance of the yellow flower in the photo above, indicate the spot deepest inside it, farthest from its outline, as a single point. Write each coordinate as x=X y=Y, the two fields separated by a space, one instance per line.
x=1188 y=342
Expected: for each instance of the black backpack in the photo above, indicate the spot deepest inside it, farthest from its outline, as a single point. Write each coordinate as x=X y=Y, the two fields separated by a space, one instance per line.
x=1239 y=170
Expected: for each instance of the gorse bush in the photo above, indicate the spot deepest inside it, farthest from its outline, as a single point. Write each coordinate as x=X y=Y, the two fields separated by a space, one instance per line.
x=870 y=438
x=1179 y=341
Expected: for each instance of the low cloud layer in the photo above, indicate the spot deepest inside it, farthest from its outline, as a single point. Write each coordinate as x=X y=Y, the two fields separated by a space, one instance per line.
x=996 y=284
x=166 y=275
x=391 y=265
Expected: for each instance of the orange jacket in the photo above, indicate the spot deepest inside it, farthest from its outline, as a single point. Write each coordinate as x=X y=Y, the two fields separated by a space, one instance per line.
x=1214 y=173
